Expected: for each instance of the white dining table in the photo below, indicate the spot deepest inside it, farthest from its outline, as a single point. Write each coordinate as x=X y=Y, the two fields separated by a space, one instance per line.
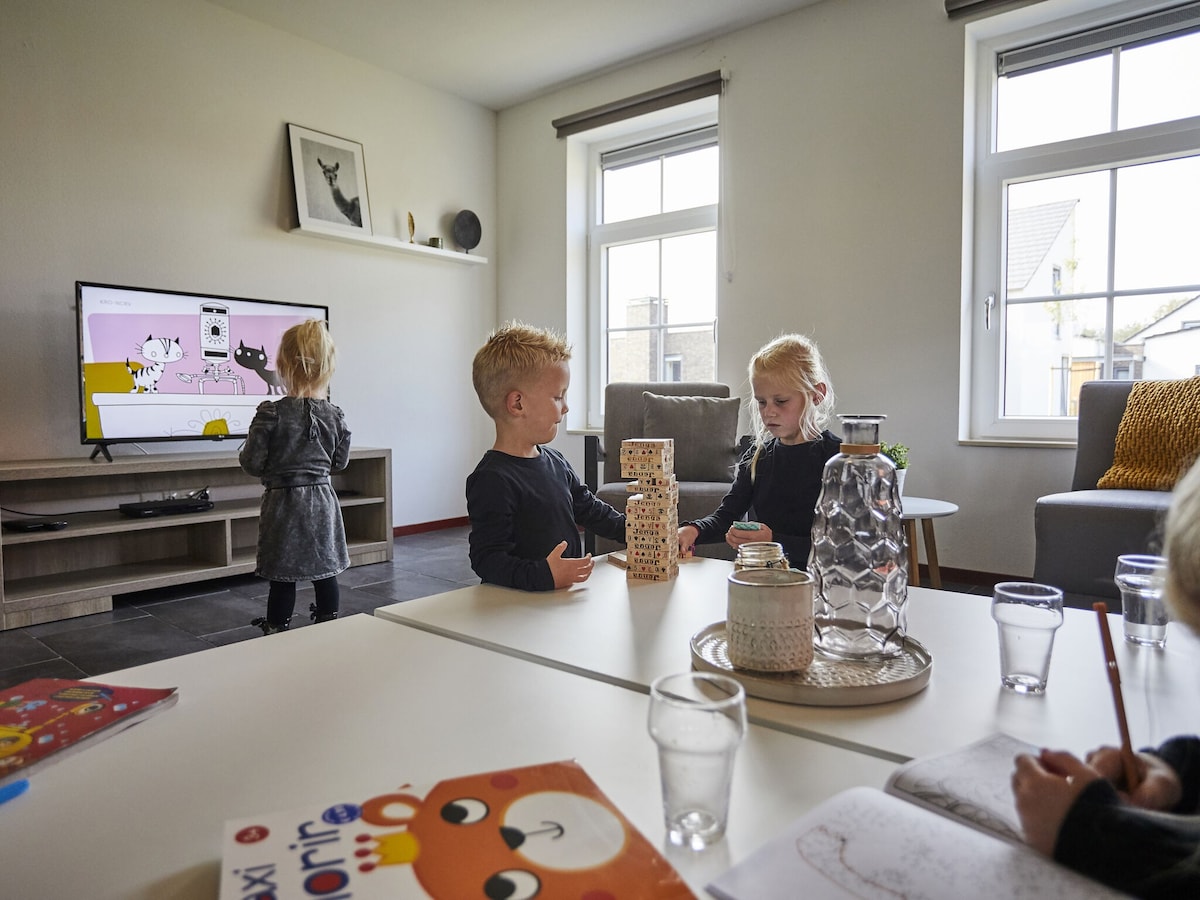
x=627 y=633
x=355 y=706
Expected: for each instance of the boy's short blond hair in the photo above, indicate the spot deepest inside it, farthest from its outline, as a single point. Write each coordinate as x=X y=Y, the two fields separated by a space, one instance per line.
x=513 y=354
x=1182 y=549
x=306 y=358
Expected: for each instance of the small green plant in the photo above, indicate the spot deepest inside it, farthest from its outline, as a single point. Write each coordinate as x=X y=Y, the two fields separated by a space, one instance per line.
x=897 y=453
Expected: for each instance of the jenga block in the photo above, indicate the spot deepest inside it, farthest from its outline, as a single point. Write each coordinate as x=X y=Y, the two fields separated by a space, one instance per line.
x=634 y=573
x=652 y=554
x=647 y=445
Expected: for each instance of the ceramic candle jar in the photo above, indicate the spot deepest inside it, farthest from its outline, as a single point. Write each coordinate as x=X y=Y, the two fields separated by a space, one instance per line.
x=769 y=620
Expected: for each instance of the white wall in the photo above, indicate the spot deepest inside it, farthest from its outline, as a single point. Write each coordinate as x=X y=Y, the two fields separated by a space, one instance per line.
x=844 y=127
x=143 y=142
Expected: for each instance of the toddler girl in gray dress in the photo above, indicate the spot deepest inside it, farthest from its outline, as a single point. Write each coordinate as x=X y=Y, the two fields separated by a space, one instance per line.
x=294 y=443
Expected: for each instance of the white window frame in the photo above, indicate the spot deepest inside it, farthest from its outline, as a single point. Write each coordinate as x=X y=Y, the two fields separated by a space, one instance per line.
x=689 y=117
x=987 y=175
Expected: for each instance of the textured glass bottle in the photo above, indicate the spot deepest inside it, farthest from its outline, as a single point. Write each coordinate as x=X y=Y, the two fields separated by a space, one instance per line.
x=859 y=553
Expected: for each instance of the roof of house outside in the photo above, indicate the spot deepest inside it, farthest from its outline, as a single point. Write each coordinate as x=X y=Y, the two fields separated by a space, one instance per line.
x=1031 y=233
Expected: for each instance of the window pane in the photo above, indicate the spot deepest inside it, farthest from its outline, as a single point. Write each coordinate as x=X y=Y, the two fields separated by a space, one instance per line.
x=1057 y=236
x=633 y=355
x=690 y=179
x=696 y=351
x=631 y=192
x=1066 y=101
x=1158 y=229
x=1050 y=349
x=689 y=277
x=1156 y=337
x=633 y=284
x=1158 y=82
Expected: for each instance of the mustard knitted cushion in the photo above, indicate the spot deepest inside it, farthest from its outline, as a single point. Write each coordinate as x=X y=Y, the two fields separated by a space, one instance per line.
x=1158 y=438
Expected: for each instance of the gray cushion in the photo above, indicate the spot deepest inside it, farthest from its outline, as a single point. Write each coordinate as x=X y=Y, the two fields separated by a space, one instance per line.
x=704 y=429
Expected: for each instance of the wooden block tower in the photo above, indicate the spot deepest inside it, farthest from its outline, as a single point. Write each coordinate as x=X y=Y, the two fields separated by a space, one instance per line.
x=652 y=513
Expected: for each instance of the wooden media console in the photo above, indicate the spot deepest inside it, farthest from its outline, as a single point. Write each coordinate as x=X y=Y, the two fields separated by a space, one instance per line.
x=55 y=574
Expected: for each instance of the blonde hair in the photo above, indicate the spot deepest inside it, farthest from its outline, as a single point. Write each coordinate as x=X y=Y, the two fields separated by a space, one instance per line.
x=1182 y=550
x=513 y=354
x=306 y=359
x=795 y=362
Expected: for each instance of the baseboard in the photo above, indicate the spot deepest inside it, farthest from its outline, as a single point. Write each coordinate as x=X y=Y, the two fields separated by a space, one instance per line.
x=422 y=527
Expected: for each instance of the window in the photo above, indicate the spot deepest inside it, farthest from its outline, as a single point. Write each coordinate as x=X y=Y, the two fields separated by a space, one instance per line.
x=1086 y=182
x=652 y=258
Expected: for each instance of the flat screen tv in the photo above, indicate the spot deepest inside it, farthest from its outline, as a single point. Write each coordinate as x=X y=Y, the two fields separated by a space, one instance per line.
x=171 y=366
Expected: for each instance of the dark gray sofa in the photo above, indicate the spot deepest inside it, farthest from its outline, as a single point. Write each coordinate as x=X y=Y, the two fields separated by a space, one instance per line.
x=700 y=417
x=1080 y=533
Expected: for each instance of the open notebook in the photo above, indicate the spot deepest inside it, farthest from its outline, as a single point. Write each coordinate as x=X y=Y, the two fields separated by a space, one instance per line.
x=946 y=829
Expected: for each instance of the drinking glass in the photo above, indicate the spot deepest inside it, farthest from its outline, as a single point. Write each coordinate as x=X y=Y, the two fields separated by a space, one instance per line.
x=1027 y=615
x=697 y=719
x=1141 y=579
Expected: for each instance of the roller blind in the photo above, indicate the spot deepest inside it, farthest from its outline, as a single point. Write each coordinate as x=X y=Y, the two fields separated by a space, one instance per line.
x=707 y=85
x=1129 y=32
x=676 y=143
x=956 y=9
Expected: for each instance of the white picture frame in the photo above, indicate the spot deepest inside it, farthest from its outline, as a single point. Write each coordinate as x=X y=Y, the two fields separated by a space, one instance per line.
x=331 y=182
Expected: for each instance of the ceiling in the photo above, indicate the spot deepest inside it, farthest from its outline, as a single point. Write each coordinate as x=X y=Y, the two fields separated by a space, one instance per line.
x=498 y=53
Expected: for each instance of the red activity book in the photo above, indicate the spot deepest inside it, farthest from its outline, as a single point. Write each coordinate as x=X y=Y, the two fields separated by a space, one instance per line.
x=45 y=719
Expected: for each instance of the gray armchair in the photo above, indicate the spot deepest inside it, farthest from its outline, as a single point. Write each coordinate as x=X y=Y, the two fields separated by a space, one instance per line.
x=1080 y=533
x=702 y=419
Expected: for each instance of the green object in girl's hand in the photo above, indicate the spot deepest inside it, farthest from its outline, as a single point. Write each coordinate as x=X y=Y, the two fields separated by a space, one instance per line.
x=746 y=526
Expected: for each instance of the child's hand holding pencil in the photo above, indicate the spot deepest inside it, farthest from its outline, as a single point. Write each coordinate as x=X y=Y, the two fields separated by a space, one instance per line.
x=1158 y=784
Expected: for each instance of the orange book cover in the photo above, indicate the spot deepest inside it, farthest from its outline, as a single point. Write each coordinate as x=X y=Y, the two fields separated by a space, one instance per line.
x=542 y=831
x=46 y=719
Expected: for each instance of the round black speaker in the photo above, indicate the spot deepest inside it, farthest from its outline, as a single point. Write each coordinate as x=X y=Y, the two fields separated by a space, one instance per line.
x=467 y=230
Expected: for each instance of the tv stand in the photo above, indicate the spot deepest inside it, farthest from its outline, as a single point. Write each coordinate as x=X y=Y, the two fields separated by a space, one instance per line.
x=47 y=575
x=101 y=448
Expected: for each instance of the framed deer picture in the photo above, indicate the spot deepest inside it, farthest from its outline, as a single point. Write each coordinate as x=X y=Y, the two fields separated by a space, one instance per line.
x=331 y=182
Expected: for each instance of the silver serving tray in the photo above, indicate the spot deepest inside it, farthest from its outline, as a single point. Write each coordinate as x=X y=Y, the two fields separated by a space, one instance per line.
x=827 y=682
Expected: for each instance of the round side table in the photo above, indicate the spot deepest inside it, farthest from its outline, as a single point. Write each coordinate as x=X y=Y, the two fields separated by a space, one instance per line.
x=925 y=510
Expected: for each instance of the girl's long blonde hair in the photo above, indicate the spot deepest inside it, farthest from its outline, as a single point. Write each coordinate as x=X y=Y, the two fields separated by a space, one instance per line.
x=794 y=361
x=1182 y=550
x=306 y=359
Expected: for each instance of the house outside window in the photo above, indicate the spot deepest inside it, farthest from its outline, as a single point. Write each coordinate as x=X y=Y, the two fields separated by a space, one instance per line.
x=653 y=258
x=1086 y=178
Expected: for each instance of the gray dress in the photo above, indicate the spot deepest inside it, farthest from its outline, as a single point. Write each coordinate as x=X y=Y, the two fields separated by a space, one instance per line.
x=293 y=445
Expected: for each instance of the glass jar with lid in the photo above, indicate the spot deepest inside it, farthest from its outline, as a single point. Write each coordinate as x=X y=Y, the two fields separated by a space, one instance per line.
x=760 y=555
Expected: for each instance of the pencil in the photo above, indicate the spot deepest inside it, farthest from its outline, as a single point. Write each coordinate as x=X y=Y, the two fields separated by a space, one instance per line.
x=1114 y=678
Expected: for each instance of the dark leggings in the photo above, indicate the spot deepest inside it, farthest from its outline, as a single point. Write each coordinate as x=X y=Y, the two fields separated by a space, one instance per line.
x=281 y=601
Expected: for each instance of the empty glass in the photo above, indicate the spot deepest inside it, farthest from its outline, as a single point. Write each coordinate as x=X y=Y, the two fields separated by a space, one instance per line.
x=698 y=720
x=1027 y=615
x=1141 y=579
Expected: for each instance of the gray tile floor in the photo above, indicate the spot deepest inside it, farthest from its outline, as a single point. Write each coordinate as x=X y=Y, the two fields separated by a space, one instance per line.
x=160 y=624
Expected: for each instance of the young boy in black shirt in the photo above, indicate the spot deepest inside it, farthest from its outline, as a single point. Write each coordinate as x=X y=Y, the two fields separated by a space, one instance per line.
x=523 y=499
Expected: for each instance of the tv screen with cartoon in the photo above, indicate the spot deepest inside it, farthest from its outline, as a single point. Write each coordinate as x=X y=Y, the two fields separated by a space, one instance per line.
x=170 y=366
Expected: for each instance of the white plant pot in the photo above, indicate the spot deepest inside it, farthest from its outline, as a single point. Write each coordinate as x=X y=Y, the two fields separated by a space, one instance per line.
x=900 y=473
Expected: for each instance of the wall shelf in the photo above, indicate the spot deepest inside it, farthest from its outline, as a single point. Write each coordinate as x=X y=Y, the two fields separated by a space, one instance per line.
x=51 y=575
x=391 y=243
